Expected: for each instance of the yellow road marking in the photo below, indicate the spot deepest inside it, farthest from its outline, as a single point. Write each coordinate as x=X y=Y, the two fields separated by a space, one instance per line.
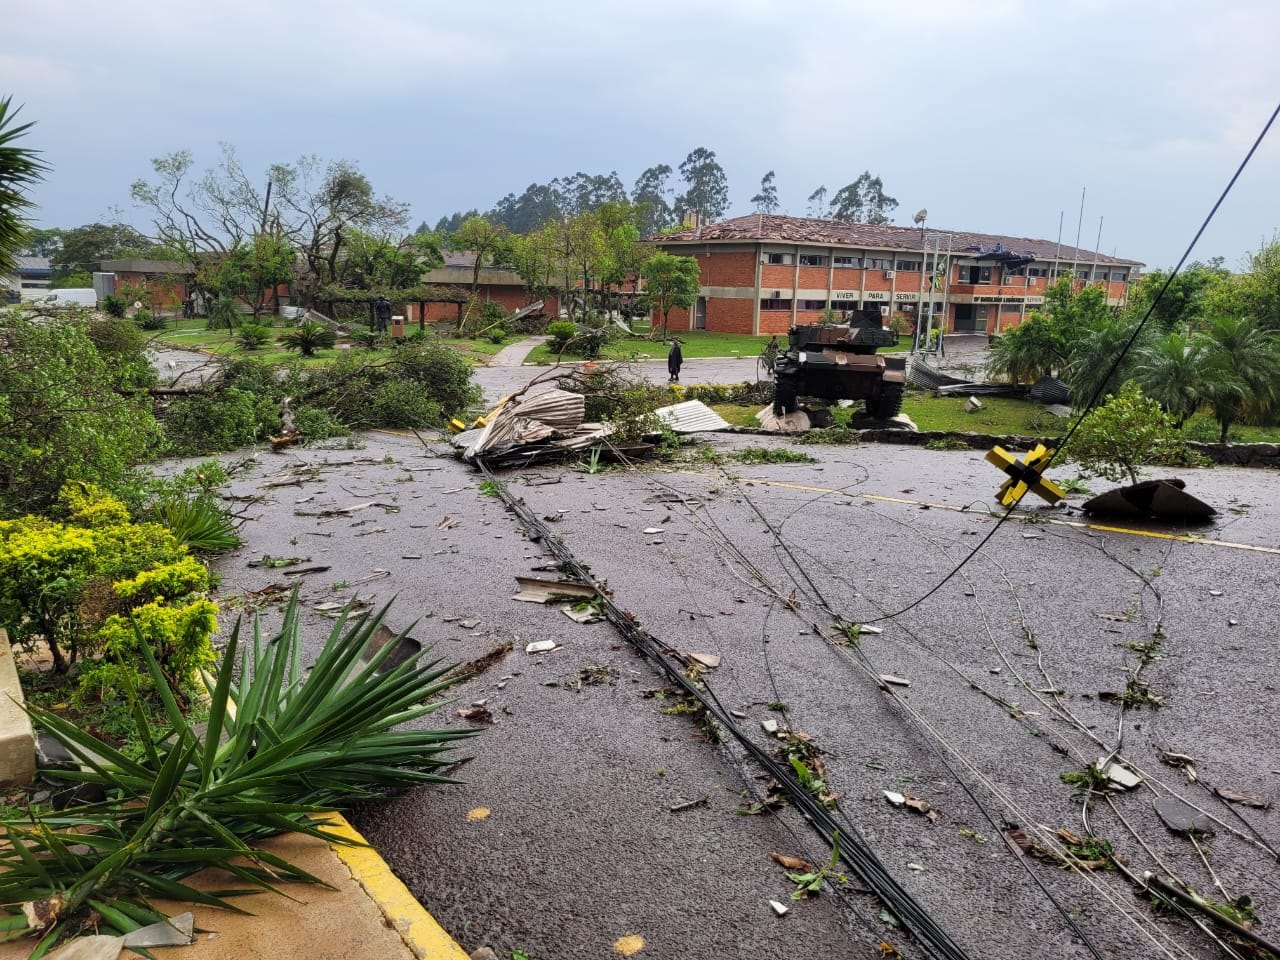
x=1025 y=517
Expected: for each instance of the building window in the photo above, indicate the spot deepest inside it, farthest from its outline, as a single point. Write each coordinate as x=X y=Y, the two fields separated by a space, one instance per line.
x=1010 y=308
x=980 y=312
x=781 y=259
x=812 y=260
x=877 y=263
x=1119 y=276
x=771 y=304
x=813 y=304
x=977 y=275
x=1037 y=271
x=851 y=262
x=911 y=266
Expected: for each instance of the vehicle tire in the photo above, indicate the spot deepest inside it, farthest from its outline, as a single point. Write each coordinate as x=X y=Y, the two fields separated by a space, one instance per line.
x=890 y=403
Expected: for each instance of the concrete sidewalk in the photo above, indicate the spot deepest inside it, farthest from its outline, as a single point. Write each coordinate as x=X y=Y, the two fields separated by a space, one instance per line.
x=364 y=911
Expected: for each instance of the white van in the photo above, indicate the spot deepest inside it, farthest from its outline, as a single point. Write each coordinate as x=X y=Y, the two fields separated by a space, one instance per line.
x=81 y=296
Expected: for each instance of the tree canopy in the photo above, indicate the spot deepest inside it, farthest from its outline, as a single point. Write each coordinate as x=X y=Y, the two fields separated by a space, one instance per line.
x=706 y=186
x=20 y=169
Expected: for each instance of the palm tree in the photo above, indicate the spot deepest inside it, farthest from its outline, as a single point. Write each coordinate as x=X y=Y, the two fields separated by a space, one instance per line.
x=19 y=169
x=1172 y=372
x=1242 y=367
x=1092 y=352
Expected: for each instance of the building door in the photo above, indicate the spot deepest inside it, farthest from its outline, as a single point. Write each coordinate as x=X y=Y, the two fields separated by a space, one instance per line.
x=966 y=322
x=700 y=314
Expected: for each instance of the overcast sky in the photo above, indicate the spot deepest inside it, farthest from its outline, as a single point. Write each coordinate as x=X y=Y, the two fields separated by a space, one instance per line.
x=992 y=115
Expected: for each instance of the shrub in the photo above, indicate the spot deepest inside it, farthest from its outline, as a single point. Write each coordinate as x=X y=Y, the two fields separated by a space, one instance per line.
x=223 y=419
x=741 y=393
x=146 y=320
x=198 y=522
x=68 y=409
x=308 y=337
x=316 y=424
x=561 y=332
x=114 y=305
x=224 y=313
x=1130 y=429
x=177 y=636
x=252 y=336
x=495 y=335
x=52 y=573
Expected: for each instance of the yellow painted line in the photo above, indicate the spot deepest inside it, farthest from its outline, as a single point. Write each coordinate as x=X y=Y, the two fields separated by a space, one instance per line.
x=1026 y=517
x=417 y=928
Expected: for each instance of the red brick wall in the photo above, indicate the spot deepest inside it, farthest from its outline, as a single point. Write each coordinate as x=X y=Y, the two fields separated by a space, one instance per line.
x=775 y=277
x=734 y=268
x=775 y=321
x=813 y=278
x=166 y=292
x=726 y=315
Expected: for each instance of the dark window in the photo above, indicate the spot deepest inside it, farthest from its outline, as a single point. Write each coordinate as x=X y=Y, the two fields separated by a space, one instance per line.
x=981 y=275
x=854 y=262
x=1010 y=308
x=777 y=258
x=813 y=304
x=1037 y=271
x=812 y=260
x=878 y=263
x=770 y=304
x=911 y=265
x=1119 y=275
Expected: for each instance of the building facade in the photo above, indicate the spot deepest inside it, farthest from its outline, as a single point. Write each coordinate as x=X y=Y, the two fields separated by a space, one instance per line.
x=762 y=274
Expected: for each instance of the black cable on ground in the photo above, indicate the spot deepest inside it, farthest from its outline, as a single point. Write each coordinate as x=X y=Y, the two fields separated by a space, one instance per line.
x=853 y=849
x=1115 y=364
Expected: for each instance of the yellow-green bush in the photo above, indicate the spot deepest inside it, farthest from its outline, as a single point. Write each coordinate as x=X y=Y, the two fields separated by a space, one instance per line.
x=75 y=583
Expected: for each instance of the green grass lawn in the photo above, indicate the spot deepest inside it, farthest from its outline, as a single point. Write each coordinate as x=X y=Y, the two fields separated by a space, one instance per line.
x=1003 y=415
x=695 y=344
x=192 y=335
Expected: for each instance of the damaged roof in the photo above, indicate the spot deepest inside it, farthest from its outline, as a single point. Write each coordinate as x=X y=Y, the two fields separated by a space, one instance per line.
x=840 y=233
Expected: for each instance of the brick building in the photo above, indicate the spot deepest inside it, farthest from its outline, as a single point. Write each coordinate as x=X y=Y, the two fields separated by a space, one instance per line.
x=498 y=284
x=762 y=274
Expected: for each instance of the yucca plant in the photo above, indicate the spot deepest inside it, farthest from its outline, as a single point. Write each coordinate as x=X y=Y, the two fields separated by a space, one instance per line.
x=200 y=522
x=278 y=750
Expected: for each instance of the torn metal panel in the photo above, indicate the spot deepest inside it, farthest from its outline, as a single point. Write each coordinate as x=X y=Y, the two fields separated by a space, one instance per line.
x=691 y=416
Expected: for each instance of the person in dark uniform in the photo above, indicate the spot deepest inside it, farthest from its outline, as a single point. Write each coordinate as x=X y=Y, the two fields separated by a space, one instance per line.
x=674 y=359
x=382 y=314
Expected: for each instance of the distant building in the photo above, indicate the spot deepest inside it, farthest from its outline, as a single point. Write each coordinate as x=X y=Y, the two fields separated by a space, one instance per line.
x=30 y=281
x=761 y=274
x=167 y=282
x=499 y=284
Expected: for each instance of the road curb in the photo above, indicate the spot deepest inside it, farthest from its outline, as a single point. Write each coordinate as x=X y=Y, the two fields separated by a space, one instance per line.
x=420 y=931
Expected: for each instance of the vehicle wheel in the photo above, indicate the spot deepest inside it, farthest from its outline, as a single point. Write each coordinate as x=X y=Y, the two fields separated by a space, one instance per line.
x=890 y=404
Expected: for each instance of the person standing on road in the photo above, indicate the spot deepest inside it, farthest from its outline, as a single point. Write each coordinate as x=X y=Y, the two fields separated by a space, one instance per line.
x=674 y=359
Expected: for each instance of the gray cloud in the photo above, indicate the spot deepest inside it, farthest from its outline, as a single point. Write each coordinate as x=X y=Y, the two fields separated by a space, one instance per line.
x=992 y=115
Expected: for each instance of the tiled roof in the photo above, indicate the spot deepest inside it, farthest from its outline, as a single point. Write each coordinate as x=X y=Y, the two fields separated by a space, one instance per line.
x=459 y=258
x=839 y=233
x=33 y=263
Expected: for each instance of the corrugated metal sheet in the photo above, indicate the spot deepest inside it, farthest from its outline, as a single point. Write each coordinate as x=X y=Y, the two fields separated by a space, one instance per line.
x=692 y=416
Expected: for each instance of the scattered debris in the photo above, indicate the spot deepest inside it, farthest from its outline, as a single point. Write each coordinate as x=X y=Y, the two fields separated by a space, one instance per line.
x=478 y=666
x=920 y=806
x=469 y=624
x=171 y=932
x=689 y=805
x=537 y=590
x=708 y=660
x=769 y=726
x=541 y=646
x=1119 y=777
x=476 y=713
x=778 y=908
x=582 y=612
x=1244 y=799
x=651 y=531
x=972 y=405
x=1180 y=760
x=791 y=863
x=303 y=571
x=1182 y=818
x=266 y=560
x=447 y=523
x=405 y=648
x=628 y=945
x=896 y=681
x=478 y=813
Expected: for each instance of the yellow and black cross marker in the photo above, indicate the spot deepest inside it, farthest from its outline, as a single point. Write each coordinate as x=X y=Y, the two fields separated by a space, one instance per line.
x=1024 y=475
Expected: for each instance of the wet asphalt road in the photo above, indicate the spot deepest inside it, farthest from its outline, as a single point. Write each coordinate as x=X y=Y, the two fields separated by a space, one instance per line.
x=581 y=846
